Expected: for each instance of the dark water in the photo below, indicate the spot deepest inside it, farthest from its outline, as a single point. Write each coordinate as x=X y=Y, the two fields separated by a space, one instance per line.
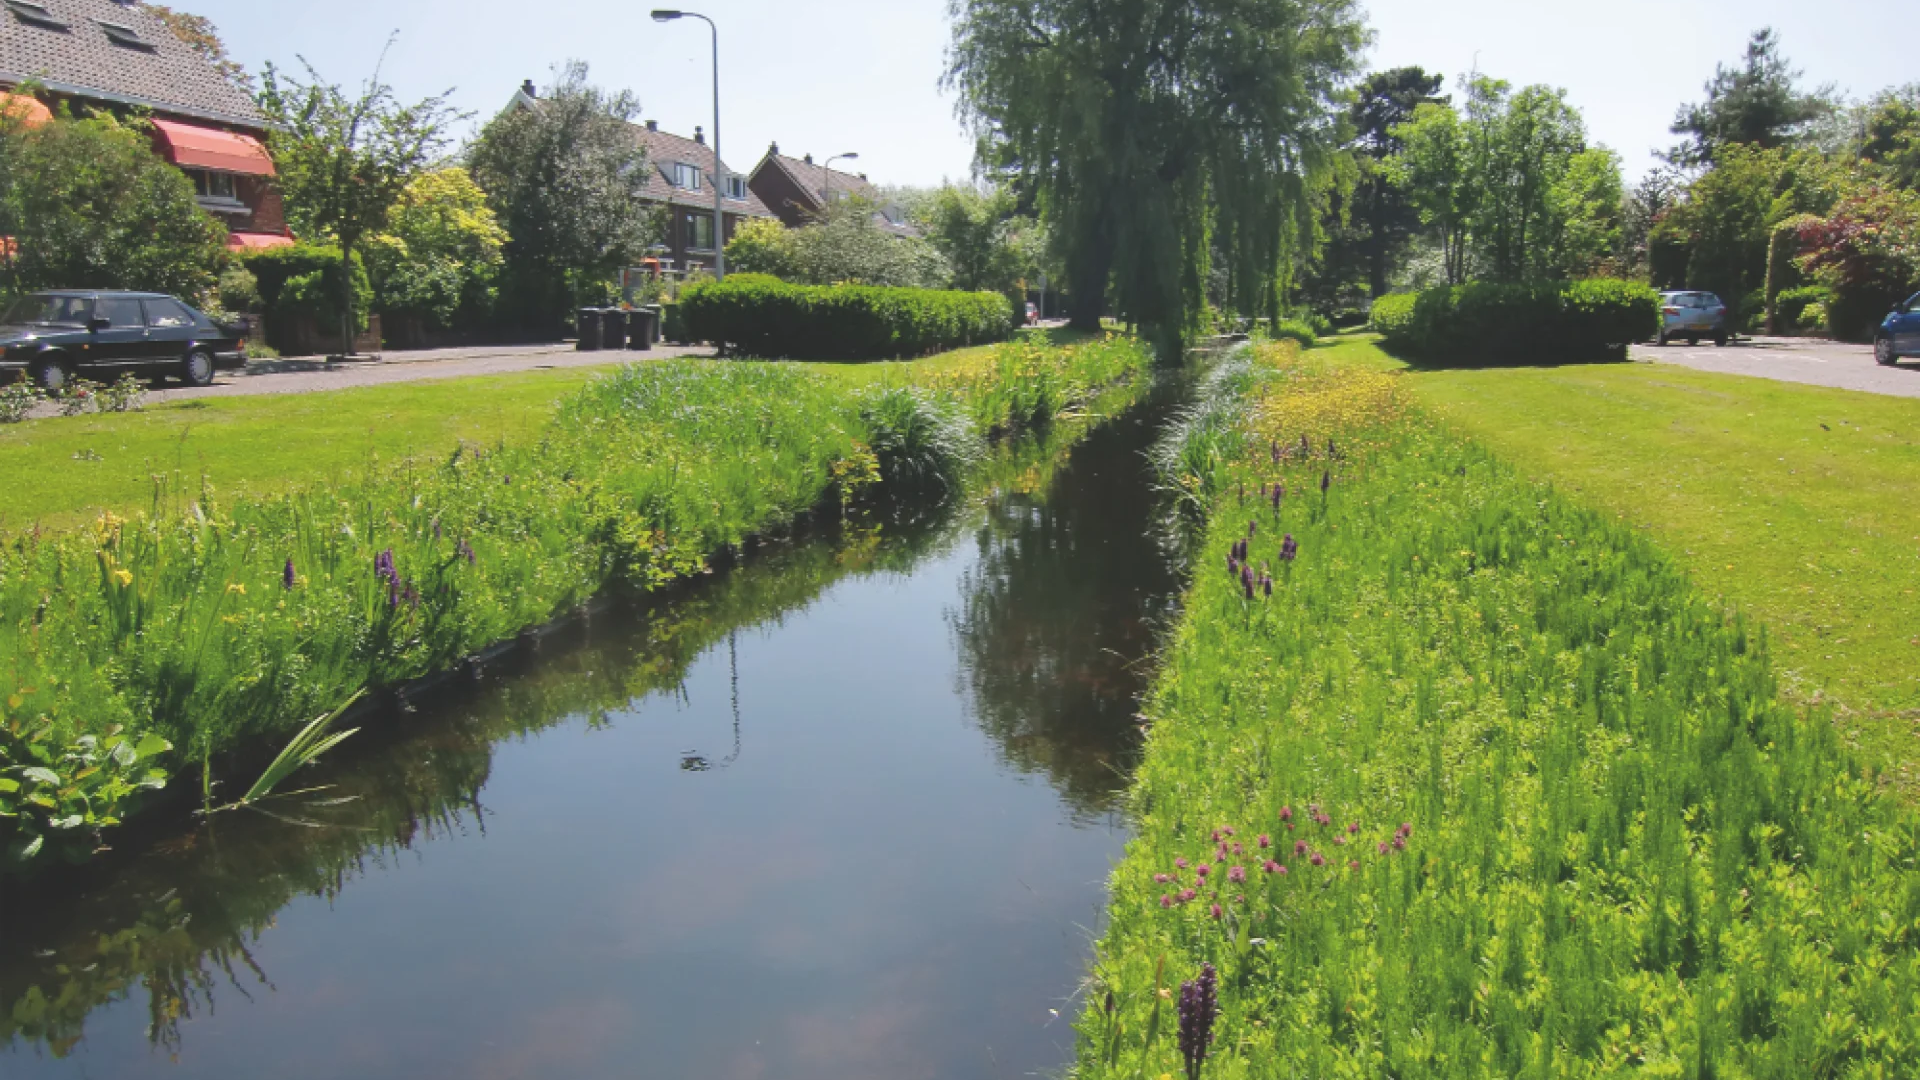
x=843 y=811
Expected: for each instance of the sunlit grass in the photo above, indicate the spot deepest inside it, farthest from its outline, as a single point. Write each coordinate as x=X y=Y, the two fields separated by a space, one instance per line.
x=1794 y=503
x=1540 y=809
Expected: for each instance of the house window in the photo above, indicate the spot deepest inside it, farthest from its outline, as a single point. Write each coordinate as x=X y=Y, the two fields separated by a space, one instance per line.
x=37 y=13
x=700 y=232
x=737 y=188
x=686 y=176
x=121 y=34
x=213 y=185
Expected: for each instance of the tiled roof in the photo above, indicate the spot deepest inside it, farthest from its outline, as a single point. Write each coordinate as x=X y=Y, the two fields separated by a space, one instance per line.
x=152 y=67
x=664 y=150
x=812 y=179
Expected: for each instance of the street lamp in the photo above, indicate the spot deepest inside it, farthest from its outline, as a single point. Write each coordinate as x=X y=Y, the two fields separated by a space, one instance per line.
x=719 y=169
x=826 y=187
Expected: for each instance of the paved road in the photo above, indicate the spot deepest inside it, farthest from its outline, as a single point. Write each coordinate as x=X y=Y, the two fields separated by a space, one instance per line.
x=1798 y=360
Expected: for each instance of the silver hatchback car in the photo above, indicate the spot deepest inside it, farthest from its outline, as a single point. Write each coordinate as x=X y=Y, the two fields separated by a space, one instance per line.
x=1692 y=315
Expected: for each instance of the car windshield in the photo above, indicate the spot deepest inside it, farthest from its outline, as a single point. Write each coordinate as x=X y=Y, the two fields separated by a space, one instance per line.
x=50 y=310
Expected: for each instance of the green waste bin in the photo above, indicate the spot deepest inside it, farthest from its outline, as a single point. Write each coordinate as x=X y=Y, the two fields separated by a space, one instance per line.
x=587 y=320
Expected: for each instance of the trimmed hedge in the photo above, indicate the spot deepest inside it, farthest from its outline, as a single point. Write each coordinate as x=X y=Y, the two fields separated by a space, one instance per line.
x=305 y=279
x=755 y=315
x=1542 y=321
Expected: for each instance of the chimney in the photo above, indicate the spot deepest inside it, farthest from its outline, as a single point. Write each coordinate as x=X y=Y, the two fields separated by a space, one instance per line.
x=699 y=136
x=808 y=159
x=653 y=125
x=773 y=148
x=527 y=89
x=863 y=176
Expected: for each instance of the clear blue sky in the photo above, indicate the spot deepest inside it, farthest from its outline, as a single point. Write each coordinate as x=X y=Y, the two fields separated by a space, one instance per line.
x=863 y=75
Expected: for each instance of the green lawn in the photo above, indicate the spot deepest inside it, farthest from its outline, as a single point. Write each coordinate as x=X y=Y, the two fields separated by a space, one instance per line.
x=66 y=470
x=1798 y=504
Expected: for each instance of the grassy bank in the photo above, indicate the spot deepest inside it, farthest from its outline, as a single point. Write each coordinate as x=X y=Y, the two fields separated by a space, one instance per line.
x=1487 y=787
x=141 y=644
x=1793 y=503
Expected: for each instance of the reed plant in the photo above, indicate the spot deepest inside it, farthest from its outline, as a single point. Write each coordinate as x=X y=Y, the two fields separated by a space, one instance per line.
x=1450 y=776
x=189 y=634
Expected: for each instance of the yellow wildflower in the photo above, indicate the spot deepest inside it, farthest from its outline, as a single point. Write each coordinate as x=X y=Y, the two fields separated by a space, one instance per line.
x=124 y=577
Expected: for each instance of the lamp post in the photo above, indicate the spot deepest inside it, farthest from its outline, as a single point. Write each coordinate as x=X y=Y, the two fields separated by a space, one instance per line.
x=719 y=169
x=826 y=187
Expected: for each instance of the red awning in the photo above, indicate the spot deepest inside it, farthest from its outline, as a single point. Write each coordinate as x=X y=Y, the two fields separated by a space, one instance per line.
x=192 y=147
x=242 y=241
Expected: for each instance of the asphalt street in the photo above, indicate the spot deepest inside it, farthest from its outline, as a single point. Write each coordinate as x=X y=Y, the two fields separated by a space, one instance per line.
x=1813 y=361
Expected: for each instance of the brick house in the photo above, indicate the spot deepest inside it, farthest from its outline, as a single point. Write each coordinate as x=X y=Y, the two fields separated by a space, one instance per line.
x=797 y=190
x=115 y=56
x=679 y=177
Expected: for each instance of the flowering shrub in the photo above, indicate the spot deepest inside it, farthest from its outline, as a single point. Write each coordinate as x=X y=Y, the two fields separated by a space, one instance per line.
x=1563 y=826
x=127 y=394
x=77 y=397
x=17 y=399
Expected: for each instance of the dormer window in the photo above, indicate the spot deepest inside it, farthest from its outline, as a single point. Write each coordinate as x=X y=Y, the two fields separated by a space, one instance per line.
x=29 y=11
x=686 y=176
x=737 y=188
x=125 y=36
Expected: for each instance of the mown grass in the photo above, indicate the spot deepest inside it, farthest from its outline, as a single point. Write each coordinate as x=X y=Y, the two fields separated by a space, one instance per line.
x=72 y=468
x=1487 y=788
x=216 y=624
x=1792 y=503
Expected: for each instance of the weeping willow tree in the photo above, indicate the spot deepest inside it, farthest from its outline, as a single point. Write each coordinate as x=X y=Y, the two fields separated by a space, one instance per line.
x=1158 y=135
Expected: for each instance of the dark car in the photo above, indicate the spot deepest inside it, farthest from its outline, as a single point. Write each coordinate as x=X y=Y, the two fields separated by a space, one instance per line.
x=60 y=335
x=1899 y=335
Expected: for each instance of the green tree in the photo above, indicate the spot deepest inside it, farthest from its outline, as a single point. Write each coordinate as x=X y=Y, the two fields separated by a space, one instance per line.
x=1891 y=139
x=848 y=246
x=1432 y=170
x=343 y=161
x=1382 y=218
x=1729 y=213
x=1758 y=104
x=563 y=177
x=89 y=205
x=440 y=254
x=1867 y=250
x=985 y=241
x=1156 y=132
x=762 y=246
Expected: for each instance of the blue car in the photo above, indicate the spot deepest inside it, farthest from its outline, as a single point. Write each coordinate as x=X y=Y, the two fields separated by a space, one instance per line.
x=1899 y=335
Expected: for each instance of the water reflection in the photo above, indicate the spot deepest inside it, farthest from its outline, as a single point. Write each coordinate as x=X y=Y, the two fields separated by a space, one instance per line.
x=518 y=884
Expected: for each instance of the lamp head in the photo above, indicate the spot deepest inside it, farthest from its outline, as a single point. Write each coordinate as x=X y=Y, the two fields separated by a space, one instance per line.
x=665 y=16
x=849 y=155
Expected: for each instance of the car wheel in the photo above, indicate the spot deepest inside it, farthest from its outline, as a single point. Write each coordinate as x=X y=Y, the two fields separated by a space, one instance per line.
x=1661 y=340
x=197 y=369
x=51 y=375
x=1693 y=341
x=1883 y=351
x=1720 y=338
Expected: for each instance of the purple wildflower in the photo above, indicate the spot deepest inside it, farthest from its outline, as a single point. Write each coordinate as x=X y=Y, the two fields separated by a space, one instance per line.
x=466 y=552
x=1252 y=527
x=1181 y=863
x=1226 y=830
x=1316 y=859
x=1383 y=847
x=1299 y=847
x=1326 y=481
x=1354 y=827
x=287 y=575
x=1278 y=493
x=1214 y=911
x=384 y=569
x=1286 y=813
x=1198 y=1010
x=1186 y=896
x=1275 y=451
x=1354 y=865
x=1246 y=581
x=393 y=592
x=1237 y=874
x=1166 y=901
x=1399 y=843
x=1203 y=870
x=1306 y=448
x=1266 y=585
x=1237 y=850
x=1266 y=841
x=1289 y=548
x=436 y=528
x=1161 y=879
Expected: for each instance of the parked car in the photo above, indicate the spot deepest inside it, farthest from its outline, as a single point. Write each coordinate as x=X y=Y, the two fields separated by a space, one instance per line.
x=1692 y=315
x=1899 y=334
x=61 y=335
x=1033 y=314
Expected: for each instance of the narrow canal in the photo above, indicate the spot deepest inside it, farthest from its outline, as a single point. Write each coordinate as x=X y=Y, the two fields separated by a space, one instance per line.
x=845 y=810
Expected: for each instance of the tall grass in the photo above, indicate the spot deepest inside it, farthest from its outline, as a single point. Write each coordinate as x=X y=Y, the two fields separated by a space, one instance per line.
x=217 y=627
x=1486 y=788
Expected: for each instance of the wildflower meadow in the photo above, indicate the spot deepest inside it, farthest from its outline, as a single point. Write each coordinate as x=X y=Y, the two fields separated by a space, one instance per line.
x=1484 y=787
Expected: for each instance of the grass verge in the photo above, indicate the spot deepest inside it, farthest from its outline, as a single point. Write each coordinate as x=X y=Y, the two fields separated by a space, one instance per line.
x=1792 y=503
x=137 y=644
x=1486 y=787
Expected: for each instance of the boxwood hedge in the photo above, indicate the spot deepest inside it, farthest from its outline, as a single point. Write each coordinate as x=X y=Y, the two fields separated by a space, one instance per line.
x=757 y=315
x=1540 y=321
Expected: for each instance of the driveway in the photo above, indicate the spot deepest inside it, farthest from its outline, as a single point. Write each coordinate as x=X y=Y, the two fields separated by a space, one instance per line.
x=1812 y=361
x=305 y=376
